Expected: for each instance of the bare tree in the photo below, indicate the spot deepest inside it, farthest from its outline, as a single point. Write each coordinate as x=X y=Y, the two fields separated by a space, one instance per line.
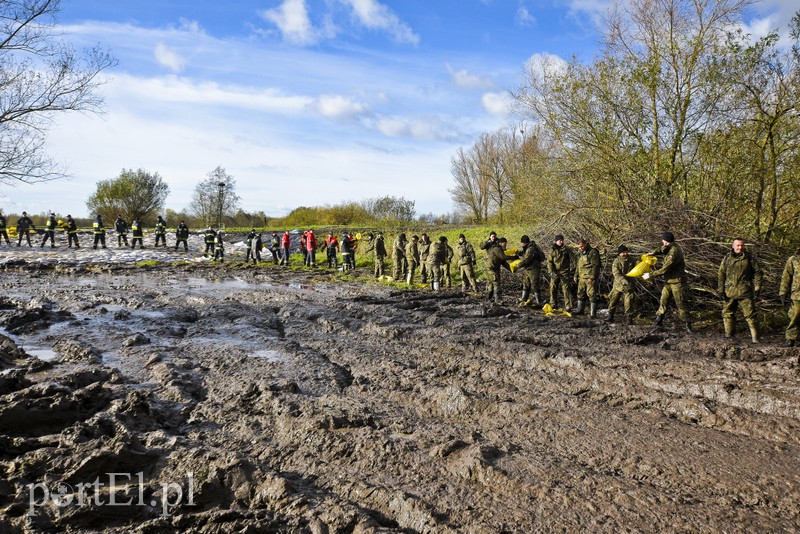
x=40 y=76
x=470 y=193
x=215 y=198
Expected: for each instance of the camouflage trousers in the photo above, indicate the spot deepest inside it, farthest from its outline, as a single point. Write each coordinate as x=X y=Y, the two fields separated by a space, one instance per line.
x=493 y=283
x=468 y=278
x=434 y=272
x=412 y=270
x=560 y=281
x=531 y=279
x=587 y=290
x=626 y=295
x=676 y=290
x=379 y=269
x=397 y=267
x=793 y=328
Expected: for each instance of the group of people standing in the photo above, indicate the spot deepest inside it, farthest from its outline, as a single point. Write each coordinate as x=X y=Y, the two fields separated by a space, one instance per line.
x=573 y=276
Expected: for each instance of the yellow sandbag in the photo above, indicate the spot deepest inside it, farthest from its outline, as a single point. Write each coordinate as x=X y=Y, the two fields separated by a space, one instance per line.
x=644 y=266
x=358 y=236
x=512 y=251
x=514 y=265
x=550 y=312
x=12 y=231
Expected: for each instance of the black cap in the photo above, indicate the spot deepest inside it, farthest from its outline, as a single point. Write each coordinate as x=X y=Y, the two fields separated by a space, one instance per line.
x=558 y=237
x=461 y=236
x=524 y=239
x=669 y=237
x=621 y=249
x=502 y=240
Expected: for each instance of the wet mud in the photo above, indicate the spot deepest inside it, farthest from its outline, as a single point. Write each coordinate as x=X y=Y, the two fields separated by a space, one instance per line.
x=293 y=401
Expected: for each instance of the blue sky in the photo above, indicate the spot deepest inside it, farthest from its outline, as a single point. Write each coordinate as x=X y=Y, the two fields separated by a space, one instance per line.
x=304 y=102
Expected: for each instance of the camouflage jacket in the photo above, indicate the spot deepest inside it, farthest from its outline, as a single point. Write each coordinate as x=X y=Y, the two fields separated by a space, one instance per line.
x=561 y=260
x=466 y=253
x=673 y=267
x=532 y=257
x=412 y=253
x=619 y=269
x=496 y=258
x=588 y=264
x=790 y=281
x=399 y=248
x=739 y=276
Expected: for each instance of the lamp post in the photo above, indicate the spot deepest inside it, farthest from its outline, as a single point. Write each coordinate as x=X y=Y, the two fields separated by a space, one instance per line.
x=221 y=186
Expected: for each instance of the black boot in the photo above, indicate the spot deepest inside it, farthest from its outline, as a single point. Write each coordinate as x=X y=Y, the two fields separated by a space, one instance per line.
x=659 y=320
x=592 y=309
x=610 y=319
x=629 y=320
x=579 y=309
x=689 y=327
x=537 y=298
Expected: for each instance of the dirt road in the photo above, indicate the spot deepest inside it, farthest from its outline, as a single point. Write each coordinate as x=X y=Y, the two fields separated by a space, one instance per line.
x=292 y=401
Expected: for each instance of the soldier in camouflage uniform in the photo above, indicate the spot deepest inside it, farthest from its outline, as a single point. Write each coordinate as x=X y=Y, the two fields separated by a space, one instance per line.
x=790 y=286
x=412 y=258
x=623 y=286
x=495 y=260
x=739 y=284
x=449 y=254
x=673 y=269
x=587 y=276
x=437 y=255
x=398 y=257
x=379 y=247
x=561 y=267
x=531 y=259
x=424 y=249
x=466 y=262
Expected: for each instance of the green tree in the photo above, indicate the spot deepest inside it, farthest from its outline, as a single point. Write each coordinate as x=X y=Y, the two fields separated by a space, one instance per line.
x=214 y=199
x=40 y=77
x=134 y=195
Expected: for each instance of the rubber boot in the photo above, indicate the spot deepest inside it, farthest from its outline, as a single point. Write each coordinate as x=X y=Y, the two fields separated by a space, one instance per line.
x=524 y=298
x=629 y=320
x=753 y=331
x=435 y=285
x=592 y=309
x=497 y=298
x=730 y=327
x=537 y=297
x=579 y=309
x=659 y=320
x=610 y=319
x=688 y=326
x=790 y=343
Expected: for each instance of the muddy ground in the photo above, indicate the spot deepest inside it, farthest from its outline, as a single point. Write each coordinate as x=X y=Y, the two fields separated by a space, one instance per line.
x=270 y=400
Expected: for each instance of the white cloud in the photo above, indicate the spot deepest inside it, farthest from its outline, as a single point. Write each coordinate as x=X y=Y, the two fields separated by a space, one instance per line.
x=169 y=58
x=497 y=104
x=292 y=20
x=174 y=89
x=377 y=16
x=462 y=78
x=523 y=17
x=338 y=106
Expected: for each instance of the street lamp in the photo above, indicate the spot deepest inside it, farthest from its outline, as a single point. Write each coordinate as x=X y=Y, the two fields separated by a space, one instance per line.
x=221 y=186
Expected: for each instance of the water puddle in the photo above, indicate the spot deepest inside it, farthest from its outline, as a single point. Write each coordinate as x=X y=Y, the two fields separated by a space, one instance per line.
x=270 y=355
x=47 y=355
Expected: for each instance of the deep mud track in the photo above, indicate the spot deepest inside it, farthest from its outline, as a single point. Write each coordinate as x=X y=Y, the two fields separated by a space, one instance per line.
x=294 y=402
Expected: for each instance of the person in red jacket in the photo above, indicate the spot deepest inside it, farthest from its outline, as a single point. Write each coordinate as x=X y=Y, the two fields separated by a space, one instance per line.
x=286 y=242
x=332 y=249
x=311 y=248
